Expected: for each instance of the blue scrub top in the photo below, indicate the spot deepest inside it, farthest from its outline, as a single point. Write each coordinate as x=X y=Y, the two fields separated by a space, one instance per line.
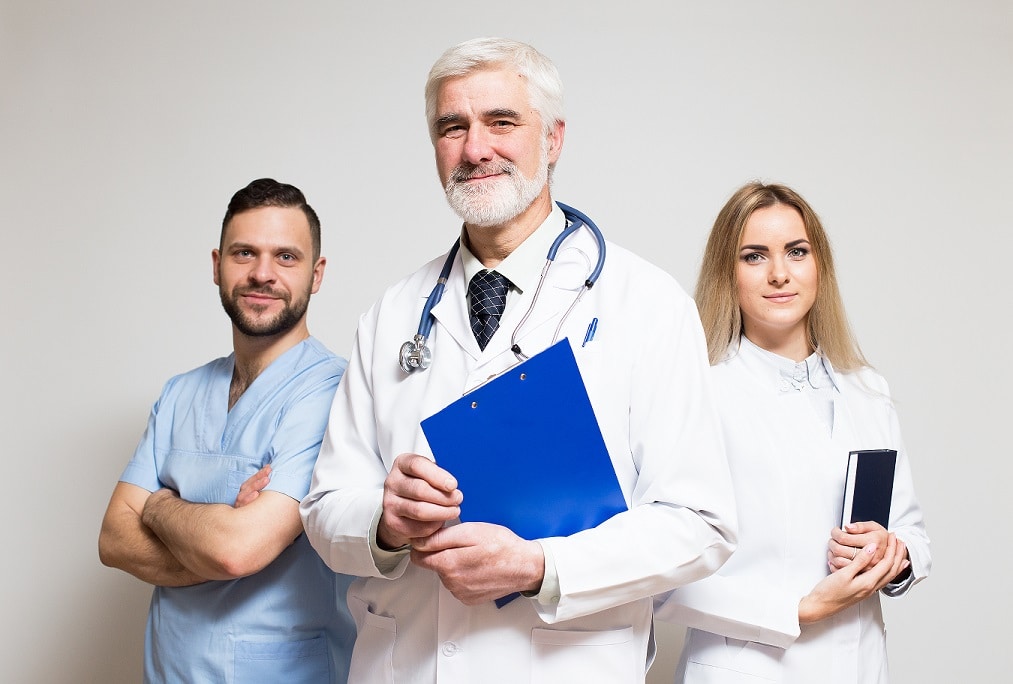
x=288 y=622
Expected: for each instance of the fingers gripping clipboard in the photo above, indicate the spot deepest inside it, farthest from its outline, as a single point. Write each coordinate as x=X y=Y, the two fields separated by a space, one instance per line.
x=527 y=451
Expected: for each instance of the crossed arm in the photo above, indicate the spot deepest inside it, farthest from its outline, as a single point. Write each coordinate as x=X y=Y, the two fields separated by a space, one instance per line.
x=167 y=541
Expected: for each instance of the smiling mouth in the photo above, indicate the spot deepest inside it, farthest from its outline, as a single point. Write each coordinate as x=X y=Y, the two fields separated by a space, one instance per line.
x=464 y=174
x=259 y=296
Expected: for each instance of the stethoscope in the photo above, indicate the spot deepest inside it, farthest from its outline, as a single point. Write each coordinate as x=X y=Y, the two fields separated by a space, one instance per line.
x=415 y=354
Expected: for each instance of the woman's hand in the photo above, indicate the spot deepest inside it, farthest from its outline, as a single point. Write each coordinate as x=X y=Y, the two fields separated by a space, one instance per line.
x=859 y=579
x=845 y=544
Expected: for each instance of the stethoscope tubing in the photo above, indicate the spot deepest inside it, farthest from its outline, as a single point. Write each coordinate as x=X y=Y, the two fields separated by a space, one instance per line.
x=415 y=354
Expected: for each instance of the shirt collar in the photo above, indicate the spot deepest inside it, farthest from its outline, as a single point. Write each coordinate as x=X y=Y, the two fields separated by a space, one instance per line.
x=523 y=266
x=814 y=372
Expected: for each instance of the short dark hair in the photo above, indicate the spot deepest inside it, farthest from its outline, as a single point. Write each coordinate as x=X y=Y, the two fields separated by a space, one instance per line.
x=267 y=192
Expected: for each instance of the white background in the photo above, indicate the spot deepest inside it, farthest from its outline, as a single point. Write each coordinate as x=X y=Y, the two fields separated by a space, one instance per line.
x=126 y=126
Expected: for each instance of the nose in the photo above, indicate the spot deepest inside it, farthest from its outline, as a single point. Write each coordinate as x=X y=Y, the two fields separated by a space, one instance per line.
x=477 y=147
x=262 y=270
x=778 y=274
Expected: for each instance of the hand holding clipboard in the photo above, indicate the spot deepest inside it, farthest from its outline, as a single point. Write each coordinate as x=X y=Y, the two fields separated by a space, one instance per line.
x=527 y=451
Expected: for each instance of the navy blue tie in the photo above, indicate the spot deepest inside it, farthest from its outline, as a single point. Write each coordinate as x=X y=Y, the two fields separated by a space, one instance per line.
x=488 y=291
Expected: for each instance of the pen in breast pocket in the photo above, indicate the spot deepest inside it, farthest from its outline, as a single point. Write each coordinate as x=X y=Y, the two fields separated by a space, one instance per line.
x=591 y=328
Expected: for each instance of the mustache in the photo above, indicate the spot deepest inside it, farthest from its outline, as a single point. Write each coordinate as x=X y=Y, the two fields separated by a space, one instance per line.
x=261 y=290
x=465 y=172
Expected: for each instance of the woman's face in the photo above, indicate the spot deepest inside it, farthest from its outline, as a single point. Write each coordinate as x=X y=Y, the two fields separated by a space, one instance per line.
x=776 y=280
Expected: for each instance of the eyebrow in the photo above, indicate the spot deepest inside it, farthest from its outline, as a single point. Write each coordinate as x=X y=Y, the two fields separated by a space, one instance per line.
x=501 y=112
x=498 y=113
x=764 y=248
x=447 y=119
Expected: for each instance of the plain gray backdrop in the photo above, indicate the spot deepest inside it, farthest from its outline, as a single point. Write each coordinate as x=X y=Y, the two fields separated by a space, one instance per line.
x=126 y=126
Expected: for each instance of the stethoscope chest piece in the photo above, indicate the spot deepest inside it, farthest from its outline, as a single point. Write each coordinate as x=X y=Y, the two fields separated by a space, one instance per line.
x=415 y=355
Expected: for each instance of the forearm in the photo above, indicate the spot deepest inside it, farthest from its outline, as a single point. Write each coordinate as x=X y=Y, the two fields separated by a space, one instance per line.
x=195 y=534
x=221 y=542
x=129 y=545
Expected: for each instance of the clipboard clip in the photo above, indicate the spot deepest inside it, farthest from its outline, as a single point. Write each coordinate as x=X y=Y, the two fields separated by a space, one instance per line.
x=523 y=376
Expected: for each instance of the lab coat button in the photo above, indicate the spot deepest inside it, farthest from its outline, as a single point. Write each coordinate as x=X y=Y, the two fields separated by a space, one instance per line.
x=449 y=649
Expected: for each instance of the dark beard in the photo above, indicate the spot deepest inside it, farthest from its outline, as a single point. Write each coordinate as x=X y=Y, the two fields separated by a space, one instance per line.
x=287 y=319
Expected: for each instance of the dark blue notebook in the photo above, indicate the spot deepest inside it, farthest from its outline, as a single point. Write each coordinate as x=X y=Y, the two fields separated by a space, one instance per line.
x=868 y=489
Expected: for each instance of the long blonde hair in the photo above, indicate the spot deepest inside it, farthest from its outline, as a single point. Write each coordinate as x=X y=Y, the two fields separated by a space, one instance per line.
x=717 y=291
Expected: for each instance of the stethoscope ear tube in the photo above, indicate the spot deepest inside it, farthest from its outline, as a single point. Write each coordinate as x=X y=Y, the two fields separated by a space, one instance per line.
x=576 y=218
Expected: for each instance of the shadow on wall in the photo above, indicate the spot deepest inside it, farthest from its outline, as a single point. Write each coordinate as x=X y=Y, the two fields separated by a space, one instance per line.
x=101 y=637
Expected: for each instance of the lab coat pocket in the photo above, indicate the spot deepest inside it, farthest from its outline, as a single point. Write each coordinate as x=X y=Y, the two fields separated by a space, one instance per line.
x=282 y=661
x=715 y=658
x=699 y=673
x=373 y=654
x=586 y=657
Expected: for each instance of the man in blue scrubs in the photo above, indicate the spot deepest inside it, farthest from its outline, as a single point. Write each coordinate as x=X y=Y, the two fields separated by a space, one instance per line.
x=207 y=510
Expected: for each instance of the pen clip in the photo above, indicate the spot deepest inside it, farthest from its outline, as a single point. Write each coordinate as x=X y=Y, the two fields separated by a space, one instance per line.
x=591 y=329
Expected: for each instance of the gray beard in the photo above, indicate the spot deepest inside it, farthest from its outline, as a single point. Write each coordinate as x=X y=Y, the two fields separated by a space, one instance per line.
x=497 y=202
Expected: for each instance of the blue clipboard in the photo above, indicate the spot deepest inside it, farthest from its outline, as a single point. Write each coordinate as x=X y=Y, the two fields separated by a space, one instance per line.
x=527 y=451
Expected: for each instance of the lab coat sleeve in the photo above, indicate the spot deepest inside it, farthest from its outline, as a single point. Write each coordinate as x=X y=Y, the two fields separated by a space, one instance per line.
x=342 y=508
x=738 y=607
x=906 y=519
x=681 y=524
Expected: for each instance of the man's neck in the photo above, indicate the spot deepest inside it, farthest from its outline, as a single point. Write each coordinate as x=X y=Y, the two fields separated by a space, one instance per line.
x=254 y=354
x=493 y=244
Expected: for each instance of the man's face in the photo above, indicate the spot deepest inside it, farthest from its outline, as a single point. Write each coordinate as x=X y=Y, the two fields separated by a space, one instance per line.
x=491 y=152
x=265 y=270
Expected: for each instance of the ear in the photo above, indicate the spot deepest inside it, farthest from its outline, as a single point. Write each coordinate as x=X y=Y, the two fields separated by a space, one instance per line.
x=318 y=274
x=556 y=136
x=216 y=258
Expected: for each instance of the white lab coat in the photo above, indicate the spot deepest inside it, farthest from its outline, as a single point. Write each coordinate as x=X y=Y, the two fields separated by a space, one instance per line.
x=789 y=477
x=647 y=377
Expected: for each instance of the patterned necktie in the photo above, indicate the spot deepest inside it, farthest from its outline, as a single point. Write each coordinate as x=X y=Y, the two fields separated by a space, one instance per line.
x=488 y=291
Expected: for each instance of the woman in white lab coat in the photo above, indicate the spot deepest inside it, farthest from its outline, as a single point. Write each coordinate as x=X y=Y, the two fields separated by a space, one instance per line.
x=798 y=602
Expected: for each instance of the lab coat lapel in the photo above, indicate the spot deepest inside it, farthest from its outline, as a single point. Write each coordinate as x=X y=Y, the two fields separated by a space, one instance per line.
x=574 y=262
x=452 y=313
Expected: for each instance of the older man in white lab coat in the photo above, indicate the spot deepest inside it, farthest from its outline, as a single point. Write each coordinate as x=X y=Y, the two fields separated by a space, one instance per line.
x=379 y=506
